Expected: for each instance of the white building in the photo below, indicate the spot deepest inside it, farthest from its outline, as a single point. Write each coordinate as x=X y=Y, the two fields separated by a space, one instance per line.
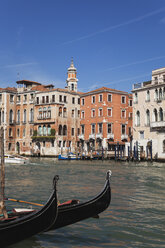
x=149 y=115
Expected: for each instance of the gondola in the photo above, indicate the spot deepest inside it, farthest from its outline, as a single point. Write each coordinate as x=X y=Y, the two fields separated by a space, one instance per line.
x=18 y=228
x=71 y=213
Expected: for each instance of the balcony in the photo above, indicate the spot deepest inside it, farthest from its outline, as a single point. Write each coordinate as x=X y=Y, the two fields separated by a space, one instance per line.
x=11 y=122
x=81 y=136
x=99 y=136
x=124 y=137
x=157 y=126
x=92 y=136
x=110 y=136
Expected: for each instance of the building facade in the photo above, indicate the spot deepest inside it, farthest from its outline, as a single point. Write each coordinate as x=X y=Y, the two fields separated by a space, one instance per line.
x=106 y=120
x=149 y=115
x=40 y=119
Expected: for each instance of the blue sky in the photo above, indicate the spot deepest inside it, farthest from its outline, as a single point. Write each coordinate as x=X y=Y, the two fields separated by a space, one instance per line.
x=114 y=43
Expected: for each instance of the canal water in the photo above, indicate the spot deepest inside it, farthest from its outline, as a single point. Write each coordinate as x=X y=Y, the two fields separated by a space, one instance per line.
x=135 y=217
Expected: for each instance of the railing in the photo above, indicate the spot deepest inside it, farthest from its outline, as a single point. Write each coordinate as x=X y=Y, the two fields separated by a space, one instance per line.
x=124 y=136
x=110 y=136
x=157 y=124
x=99 y=136
x=91 y=136
x=81 y=136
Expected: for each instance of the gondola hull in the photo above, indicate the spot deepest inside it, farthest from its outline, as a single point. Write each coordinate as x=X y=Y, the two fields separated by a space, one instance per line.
x=13 y=231
x=68 y=215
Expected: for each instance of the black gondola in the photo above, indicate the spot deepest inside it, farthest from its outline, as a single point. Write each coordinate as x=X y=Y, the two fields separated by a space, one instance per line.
x=70 y=214
x=15 y=230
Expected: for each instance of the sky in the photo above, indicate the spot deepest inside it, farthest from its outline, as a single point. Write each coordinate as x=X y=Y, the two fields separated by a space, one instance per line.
x=114 y=43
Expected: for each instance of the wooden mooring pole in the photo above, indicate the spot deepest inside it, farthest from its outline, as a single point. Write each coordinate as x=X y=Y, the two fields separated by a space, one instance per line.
x=2 y=194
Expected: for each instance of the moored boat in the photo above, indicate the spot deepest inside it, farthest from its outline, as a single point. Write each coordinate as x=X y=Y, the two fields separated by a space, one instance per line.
x=11 y=159
x=69 y=156
x=71 y=213
x=19 y=227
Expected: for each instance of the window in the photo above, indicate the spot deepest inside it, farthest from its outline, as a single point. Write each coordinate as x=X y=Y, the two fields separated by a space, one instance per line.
x=9 y=147
x=10 y=132
x=31 y=115
x=109 y=112
x=18 y=99
x=40 y=130
x=78 y=131
x=100 y=112
x=64 y=130
x=78 y=100
x=65 y=99
x=130 y=116
x=11 y=98
x=93 y=113
x=156 y=95
x=100 y=98
x=136 y=98
x=123 y=99
x=43 y=143
x=64 y=113
x=38 y=100
x=18 y=116
x=93 y=99
x=141 y=134
x=0 y=97
x=160 y=94
x=43 y=99
x=18 y=132
x=82 y=101
x=73 y=113
x=47 y=99
x=109 y=128
x=60 y=111
x=137 y=121
x=100 y=128
x=155 y=115
x=24 y=116
x=129 y=131
x=82 y=114
x=73 y=100
x=82 y=129
x=147 y=117
x=148 y=96
x=60 y=98
x=160 y=114
x=52 y=142
x=11 y=116
x=60 y=130
x=130 y=103
x=123 y=113
x=49 y=130
x=53 y=98
x=72 y=131
x=109 y=98
x=78 y=113
x=44 y=130
x=93 y=129
x=72 y=86
x=123 y=129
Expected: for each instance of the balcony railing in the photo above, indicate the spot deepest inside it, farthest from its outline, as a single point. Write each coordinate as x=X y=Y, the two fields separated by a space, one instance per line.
x=81 y=136
x=110 y=136
x=92 y=136
x=157 y=124
x=124 y=137
x=99 y=136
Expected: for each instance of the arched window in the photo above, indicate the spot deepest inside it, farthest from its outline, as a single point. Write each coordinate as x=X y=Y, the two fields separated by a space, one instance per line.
x=64 y=130
x=60 y=130
x=49 y=130
x=160 y=114
x=148 y=96
x=11 y=116
x=44 y=130
x=138 y=118
x=24 y=116
x=155 y=115
x=156 y=94
x=18 y=116
x=31 y=115
x=44 y=112
x=147 y=117
x=49 y=112
x=160 y=94
x=40 y=130
x=64 y=112
x=60 y=111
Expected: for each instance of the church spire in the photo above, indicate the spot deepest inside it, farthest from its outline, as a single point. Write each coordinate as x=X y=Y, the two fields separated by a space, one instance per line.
x=72 y=80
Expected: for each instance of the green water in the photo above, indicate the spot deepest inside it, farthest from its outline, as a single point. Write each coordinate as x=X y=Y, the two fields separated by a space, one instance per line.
x=135 y=218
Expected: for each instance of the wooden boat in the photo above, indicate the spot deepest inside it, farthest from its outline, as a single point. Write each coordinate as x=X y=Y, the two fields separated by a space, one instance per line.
x=71 y=213
x=69 y=156
x=11 y=159
x=20 y=227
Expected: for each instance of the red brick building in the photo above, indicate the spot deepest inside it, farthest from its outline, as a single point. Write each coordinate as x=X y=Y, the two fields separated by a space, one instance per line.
x=106 y=119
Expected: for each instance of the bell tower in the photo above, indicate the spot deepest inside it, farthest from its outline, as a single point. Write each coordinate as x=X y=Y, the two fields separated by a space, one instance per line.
x=72 y=80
